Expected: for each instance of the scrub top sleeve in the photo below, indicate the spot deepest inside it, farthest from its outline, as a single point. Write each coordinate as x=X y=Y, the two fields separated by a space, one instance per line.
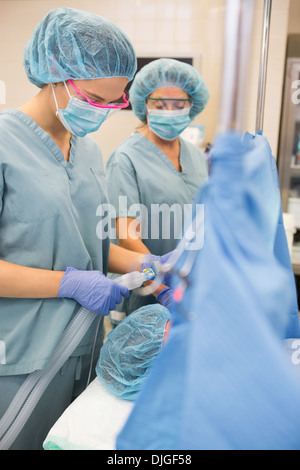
x=122 y=186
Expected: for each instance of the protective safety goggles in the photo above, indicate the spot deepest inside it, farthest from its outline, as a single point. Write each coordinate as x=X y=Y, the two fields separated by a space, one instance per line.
x=122 y=105
x=169 y=103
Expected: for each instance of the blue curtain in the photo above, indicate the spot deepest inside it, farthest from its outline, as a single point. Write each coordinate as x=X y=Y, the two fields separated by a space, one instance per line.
x=224 y=379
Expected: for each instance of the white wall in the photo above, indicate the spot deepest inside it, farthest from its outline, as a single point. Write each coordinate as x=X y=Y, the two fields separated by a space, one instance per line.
x=156 y=28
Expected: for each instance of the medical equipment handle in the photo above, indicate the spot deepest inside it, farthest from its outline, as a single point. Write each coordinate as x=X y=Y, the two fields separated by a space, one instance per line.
x=263 y=67
x=27 y=397
x=135 y=279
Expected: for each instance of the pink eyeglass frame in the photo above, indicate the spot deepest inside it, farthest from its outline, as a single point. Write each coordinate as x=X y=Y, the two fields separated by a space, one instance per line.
x=93 y=103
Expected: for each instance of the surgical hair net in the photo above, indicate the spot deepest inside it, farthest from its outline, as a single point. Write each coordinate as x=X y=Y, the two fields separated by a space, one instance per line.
x=75 y=44
x=164 y=73
x=130 y=350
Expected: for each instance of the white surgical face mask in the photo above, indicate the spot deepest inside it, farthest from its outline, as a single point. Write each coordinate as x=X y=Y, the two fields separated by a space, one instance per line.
x=168 y=124
x=80 y=118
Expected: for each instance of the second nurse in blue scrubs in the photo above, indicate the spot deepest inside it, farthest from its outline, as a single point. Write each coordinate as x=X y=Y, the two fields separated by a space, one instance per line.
x=155 y=168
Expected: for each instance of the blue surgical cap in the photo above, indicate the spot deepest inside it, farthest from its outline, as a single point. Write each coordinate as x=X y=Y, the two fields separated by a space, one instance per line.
x=75 y=44
x=164 y=73
x=130 y=350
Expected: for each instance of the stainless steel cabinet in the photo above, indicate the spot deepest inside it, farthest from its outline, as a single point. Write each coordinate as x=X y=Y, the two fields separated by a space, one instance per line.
x=289 y=143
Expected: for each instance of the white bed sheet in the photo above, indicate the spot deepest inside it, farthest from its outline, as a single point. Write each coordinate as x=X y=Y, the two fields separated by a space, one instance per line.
x=91 y=422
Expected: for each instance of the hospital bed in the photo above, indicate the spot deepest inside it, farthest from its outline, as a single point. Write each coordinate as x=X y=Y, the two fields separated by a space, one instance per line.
x=91 y=422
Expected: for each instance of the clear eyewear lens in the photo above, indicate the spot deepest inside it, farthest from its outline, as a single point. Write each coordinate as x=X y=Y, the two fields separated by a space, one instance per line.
x=168 y=103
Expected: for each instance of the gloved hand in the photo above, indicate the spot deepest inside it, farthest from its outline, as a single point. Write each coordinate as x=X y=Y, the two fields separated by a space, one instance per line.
x=149 y=260
x=92 y=290
x=165 y=297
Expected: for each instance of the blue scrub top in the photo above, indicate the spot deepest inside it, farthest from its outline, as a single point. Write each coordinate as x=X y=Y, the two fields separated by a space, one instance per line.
x=48 y=220
x=141 y=173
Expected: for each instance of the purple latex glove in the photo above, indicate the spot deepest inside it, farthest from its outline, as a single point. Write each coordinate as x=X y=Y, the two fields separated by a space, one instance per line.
x=165 y=297
x=92 y=290
x=149 y=260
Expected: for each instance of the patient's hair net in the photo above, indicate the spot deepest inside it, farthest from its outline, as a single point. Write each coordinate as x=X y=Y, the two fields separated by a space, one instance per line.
x=164 y=73
x=131 y=349
x=75 y=44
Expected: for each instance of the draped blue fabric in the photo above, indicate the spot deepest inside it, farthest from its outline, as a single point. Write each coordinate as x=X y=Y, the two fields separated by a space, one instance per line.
x=224 y=379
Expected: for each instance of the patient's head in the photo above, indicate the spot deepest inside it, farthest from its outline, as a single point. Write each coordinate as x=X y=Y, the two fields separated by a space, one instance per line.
x=130 y=350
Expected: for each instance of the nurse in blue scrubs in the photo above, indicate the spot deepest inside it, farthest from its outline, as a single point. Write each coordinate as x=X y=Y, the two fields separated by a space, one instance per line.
x=153 y=176
x=52 y=259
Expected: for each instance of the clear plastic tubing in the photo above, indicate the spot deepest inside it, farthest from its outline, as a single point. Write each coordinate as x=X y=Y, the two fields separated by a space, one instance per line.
x=36 y=383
